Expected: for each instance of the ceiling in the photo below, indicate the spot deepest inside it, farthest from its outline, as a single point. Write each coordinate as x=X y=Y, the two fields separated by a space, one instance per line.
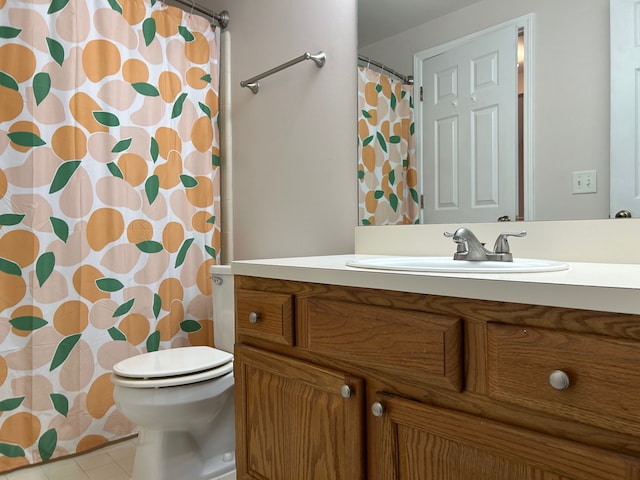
x=378 y=19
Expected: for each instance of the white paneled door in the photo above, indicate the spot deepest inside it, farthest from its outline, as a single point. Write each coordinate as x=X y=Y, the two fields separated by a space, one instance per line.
x=469 y=130
x=625 y=107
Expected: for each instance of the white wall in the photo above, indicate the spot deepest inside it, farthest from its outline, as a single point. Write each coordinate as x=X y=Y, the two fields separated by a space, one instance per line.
x=294 y=189
x=571 y=90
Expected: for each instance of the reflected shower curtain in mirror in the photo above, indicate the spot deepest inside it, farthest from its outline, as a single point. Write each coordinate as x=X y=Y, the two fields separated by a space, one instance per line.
x=109 y=208
x=387 y=174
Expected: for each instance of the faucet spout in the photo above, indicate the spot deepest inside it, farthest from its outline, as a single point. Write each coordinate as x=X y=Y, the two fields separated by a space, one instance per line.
x=470 y=248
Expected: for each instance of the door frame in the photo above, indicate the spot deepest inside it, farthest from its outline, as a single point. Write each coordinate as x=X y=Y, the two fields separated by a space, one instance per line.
x=526 y=23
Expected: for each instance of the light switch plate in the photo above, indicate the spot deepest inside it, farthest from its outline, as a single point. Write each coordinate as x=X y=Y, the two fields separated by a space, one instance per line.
x=585 y=181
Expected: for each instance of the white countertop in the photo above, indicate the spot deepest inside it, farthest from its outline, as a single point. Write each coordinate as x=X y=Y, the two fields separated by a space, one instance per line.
x=608 y=287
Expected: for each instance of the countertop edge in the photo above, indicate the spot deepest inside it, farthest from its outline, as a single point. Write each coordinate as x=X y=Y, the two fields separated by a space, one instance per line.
x=585 y=286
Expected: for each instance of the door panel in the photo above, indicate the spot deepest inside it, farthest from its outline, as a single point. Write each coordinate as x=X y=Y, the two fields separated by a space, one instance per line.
x=470 y=131
x=446 y=162
x=485 y=160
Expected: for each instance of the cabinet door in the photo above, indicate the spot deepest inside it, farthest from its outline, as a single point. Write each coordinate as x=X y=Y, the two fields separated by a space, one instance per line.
x=413 y=441
x=296 y=421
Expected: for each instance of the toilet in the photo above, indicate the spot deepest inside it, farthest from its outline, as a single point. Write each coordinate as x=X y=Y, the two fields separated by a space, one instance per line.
x=182 y=401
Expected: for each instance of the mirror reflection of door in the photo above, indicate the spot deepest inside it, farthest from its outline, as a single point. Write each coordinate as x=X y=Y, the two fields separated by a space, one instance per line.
x=469 y=120
x=625 y=109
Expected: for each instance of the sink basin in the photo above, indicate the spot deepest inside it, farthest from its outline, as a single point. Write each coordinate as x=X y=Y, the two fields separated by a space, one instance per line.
x=448 y=264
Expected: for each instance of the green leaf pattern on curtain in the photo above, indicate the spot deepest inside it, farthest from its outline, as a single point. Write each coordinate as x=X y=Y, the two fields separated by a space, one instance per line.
x=9 y=32
x=387 y=174
x=10 y=404
x=60 y=403
x=41 y=86
x=47 y=444
x=109 y=195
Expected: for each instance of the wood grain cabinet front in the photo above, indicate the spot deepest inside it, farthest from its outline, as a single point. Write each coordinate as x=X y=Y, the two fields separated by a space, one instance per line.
x=295 y=420
x=588 y=378
x=264 y=315
x=346 y=383
x=420 y=347
x=416 y=441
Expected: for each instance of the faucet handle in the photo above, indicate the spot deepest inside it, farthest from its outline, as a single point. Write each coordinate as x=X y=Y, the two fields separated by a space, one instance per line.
x=502 y=245
x=461 y=246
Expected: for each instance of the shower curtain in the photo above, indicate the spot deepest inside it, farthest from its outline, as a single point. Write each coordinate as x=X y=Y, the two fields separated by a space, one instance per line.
x=109 y=208
x=387 y=174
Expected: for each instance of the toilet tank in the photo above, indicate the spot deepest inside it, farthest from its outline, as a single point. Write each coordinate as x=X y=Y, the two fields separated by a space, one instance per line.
x=223 y=307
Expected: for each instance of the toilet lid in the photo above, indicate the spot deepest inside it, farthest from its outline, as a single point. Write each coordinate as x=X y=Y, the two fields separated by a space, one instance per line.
x=172 y=362
x=176 y=381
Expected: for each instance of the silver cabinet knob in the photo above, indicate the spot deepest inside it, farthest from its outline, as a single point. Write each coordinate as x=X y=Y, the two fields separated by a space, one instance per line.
x=377 y=409
x=345 y=391
x=559 y=380
x=253 y=317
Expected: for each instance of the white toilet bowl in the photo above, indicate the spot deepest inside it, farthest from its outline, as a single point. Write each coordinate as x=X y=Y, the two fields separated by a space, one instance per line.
x=182 y=400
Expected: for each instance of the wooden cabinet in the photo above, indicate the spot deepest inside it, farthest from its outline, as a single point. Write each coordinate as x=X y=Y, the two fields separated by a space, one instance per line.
x=419 y=347
x=602 y=374
x=351 y=383
x=296 y=420
x=265 y=315
x=422 y=442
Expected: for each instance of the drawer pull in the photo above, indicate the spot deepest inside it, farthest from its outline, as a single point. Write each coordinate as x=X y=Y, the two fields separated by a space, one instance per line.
x=253 y=317
x=559 y=380
x=345 y=391
x=377 y=409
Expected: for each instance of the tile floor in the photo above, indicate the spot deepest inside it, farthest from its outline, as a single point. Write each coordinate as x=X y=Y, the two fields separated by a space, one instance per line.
x=113 y=462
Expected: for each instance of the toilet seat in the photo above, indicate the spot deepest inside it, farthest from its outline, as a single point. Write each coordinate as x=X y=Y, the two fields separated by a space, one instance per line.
x=172 y=367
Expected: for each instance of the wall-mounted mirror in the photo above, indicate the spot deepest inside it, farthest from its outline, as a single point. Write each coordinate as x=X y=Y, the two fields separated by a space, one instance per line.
x=569 y=100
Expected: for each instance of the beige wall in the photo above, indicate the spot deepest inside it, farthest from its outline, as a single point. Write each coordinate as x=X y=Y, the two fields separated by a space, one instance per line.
x=293 y=146
x=571 y=90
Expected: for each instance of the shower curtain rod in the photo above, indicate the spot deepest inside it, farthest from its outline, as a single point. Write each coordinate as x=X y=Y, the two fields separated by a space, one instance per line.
x=408 y=79
x=219 y=19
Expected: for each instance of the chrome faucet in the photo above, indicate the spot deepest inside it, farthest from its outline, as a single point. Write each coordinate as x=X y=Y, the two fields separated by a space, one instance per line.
x=470 y=248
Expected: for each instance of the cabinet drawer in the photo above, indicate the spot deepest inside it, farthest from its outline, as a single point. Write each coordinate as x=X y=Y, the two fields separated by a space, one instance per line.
x=415 y=346
x=264 y=315
x=603 y=374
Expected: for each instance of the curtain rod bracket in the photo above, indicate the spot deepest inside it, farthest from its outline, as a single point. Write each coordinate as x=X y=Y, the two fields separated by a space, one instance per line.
x=254 y=87
x=252 y=84
x=222 y=18
x=219 y=19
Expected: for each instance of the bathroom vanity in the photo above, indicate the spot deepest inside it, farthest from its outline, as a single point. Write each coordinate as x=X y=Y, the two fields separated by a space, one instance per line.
x=342 y=373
